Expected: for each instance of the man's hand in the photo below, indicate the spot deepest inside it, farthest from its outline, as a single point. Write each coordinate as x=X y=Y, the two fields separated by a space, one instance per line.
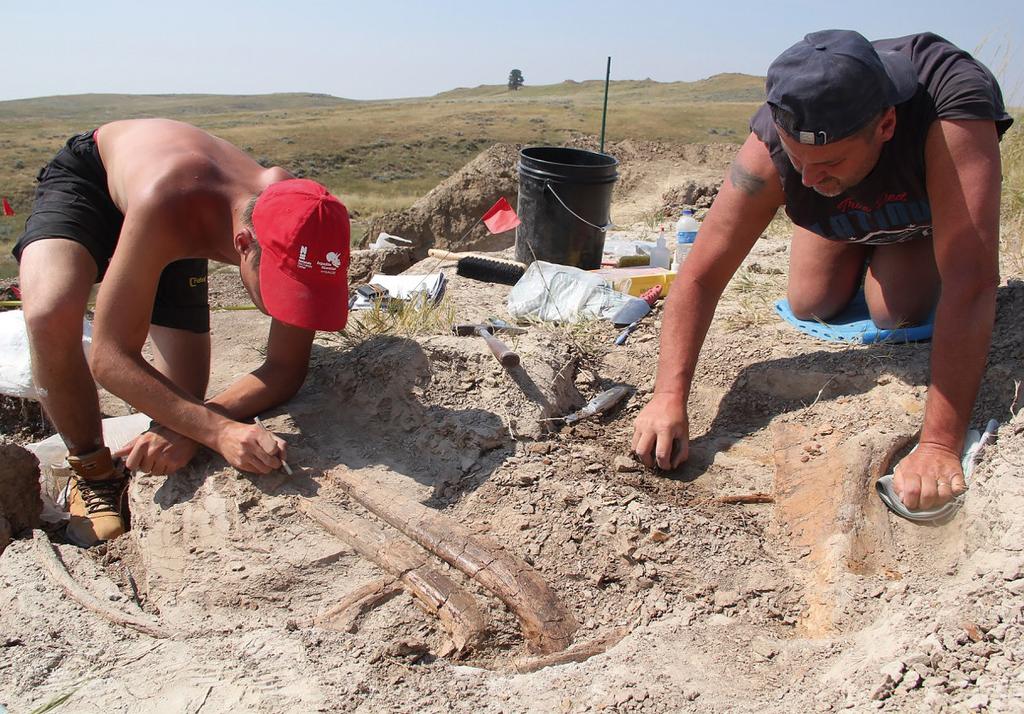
x=929 y=477
x=249 y=447
x=661 y=434
x=158 y=451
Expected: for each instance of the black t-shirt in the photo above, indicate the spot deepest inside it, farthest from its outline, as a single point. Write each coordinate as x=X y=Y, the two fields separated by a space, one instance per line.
x=891 y=204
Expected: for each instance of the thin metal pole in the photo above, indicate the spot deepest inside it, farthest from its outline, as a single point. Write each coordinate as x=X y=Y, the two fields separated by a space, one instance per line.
x=604 y=112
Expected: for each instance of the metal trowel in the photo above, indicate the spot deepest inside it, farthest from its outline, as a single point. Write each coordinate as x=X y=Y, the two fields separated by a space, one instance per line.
x=973 y=444
x=637 y=307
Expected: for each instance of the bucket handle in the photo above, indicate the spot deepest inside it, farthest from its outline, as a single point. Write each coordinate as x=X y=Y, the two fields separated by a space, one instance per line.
x=603 y=229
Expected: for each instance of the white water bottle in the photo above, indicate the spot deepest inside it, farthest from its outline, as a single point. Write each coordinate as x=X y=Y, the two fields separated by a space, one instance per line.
x=660 y=256
x=686 y=234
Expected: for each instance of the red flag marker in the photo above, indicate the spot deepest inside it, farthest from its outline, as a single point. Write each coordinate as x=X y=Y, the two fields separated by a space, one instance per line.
x=8 y=211
x=500 y=217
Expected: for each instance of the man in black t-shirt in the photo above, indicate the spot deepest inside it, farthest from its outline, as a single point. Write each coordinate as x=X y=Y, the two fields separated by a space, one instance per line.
x=884 y=154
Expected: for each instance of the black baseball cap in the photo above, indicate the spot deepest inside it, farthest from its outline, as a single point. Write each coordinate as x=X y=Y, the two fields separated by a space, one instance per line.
x=830 y=84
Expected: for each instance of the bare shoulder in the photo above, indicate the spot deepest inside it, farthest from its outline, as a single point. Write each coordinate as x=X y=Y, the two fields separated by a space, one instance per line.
x=160 y=160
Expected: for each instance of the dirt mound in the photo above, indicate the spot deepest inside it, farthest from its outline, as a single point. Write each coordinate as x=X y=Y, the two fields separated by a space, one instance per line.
x=657 y=180
x=654 y=179
x=20 y=504
x=693 y=195
x=448 y=216
x=712 y=156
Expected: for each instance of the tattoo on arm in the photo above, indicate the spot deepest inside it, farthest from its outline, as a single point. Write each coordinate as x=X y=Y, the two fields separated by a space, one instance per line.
x=744 y=180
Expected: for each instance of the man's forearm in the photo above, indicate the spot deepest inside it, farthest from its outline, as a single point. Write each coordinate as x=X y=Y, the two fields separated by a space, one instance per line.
x=275 y=381
x=138 y=383
x=689 y=310
x=960 y=343
x=252 y=394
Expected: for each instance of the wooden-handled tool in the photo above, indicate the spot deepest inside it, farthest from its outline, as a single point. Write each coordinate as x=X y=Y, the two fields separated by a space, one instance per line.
x=506 y=356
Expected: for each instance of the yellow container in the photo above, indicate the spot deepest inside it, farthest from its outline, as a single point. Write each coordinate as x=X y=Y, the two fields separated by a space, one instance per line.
x=635 y=281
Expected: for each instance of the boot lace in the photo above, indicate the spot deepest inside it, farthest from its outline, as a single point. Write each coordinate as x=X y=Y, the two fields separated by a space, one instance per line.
x=101 y=496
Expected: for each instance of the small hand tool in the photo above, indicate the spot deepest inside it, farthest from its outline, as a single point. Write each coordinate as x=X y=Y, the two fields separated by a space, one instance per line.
x=284 y=464
x=506 y=357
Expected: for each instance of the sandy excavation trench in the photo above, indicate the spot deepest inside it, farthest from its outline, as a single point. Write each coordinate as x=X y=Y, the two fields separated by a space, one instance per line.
x=818 y=599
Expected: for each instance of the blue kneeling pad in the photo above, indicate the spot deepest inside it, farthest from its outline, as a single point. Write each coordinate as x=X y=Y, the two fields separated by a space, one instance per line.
x=854 y=324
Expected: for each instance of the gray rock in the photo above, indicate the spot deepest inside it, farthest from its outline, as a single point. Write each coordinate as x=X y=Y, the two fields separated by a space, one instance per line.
x=894 y=670
x=539 y=448
x=998 y=632
x=726 y=598
x=764 y=649
x=912 y=658
x=983 y=649
x=977 y=702
x=622 y=696
x=1014 y=569
x=996 y=663
x=624 y=464
x=911 y=680
x=1016 y=587
x=883 y=689
x=958 y=679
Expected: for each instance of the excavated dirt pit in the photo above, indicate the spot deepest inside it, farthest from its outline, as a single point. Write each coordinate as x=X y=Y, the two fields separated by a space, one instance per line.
x=819 y=599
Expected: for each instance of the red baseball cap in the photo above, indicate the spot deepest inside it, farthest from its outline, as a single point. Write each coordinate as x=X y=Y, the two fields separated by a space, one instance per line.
x=303 y=232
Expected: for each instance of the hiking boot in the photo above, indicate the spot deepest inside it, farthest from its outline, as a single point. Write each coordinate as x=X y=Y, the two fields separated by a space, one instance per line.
x=97 y=499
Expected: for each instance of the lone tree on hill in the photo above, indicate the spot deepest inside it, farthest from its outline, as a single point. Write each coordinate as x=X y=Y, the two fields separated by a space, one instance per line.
x=515 y=80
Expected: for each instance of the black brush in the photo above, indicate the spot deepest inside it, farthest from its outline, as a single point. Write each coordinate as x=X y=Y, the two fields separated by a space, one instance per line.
x=490 y=270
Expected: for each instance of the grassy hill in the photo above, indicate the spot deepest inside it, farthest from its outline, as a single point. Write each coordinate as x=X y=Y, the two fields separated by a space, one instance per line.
x=382 y=155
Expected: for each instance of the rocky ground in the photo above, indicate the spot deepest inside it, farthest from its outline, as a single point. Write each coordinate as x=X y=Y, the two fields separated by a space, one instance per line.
x=815 y=600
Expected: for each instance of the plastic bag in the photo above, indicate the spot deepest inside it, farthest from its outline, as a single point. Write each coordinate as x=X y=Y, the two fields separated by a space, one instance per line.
x=15 y=359
x=561 y=293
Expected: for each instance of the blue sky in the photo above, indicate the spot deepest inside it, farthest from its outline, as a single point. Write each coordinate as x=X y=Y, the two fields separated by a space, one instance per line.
x=374 y=50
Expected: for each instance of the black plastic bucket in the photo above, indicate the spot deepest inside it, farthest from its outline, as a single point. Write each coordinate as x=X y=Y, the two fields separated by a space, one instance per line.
x=565 y=196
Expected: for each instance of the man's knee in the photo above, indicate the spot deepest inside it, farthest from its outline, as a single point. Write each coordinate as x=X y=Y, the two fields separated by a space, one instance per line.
x=814 y=307
x=902 y=284
x=56 y=278
x=54 y=322
x=823 y=294
x=900 y=306
x=54 y=313
x=894 y=317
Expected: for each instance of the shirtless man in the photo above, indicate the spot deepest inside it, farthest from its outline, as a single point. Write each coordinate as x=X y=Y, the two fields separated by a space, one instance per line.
x=142 y=205
x=884 y=154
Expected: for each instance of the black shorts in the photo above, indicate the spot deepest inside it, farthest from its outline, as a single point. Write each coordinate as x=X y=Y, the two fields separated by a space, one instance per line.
x=73 y=202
